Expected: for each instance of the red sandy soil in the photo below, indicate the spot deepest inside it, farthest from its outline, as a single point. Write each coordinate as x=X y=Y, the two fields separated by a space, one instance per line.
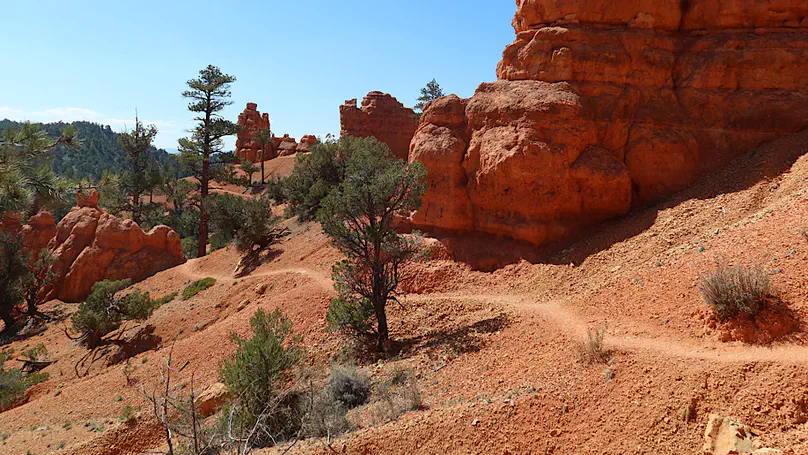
x=495 y=354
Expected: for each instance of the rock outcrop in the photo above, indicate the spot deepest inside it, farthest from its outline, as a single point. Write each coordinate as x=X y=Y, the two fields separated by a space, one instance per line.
x=380 y=116
x=286 y=145
x=305 y=143
x=90 y=245
x=250 y=121
x=602 y=106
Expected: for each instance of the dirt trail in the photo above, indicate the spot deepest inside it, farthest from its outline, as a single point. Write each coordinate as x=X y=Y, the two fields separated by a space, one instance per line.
x=320 y=279
x=575 y=326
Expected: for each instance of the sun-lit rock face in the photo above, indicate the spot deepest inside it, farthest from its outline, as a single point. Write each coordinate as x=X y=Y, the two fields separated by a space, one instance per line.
x=380 y=116
x=251 y=121
x=90 y=245
x=603 y=105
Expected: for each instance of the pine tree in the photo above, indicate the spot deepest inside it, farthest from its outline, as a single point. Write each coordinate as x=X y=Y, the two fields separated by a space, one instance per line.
x=264 y=139
x=136 y=142
x=27 y=180
x=202 y=152
x=432 y=91
x=358 y=216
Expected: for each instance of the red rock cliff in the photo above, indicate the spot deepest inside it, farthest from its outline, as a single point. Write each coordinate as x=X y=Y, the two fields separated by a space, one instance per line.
x=247 y=148
x=380 y=116
x=90 y=245
x=601 y=105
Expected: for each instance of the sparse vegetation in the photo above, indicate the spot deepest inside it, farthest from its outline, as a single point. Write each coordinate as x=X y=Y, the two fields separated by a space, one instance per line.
x=591 y=349
x=197 y=286
x=349 y=387
x=165 y=299
x=393 y=398
x=737 y=290
x=13 y=384
x=128 y=414
x=103 y=312
x=256 y=374
x=247 y=222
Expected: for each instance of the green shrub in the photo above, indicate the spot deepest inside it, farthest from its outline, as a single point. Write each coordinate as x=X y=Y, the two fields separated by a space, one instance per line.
x=190 y=247
x=737 y=290
x=247 y=222
x=128 y=414
x=257 y=373
x=315 y=174
x=103 y=312
x=349 y=386
x=165 y=299
x=13 y=384
x=197 y=286
x=354 y=316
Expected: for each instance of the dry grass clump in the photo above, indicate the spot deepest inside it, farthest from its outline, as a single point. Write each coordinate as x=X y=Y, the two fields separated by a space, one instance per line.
x=591 y=349
x=737 y=290
x=390 y=400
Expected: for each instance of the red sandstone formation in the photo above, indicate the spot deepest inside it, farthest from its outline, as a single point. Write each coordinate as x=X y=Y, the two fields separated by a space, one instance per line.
x=305 y=143
x=380 y=116
x=90 y=245
x=247 y=148
x=602 y=105
x=285 y=145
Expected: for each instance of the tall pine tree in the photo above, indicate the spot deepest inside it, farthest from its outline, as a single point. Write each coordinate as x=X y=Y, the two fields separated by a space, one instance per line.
x=202 y=153
x=136 y=143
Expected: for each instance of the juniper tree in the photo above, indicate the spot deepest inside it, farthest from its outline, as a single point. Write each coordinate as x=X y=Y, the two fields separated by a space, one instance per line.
x=432 y=91
x=202 y=153
x=135 y=143
x=358 y=216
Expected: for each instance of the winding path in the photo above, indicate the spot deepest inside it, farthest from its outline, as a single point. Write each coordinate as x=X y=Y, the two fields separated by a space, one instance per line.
x=567 y=321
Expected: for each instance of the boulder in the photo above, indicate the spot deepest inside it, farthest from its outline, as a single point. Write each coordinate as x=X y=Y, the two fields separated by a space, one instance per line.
x=380 y=116
x=305 y=144
x=724 y=436
x=250 y=121
x=212 y=399
x=90 y=245
x=286 y=145
x=602 y=106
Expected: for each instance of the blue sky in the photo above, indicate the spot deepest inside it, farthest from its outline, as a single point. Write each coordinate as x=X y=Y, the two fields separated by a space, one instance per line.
x=299 y=60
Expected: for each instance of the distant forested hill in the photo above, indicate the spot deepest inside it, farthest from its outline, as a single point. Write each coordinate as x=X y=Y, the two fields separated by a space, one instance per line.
x=99 y=151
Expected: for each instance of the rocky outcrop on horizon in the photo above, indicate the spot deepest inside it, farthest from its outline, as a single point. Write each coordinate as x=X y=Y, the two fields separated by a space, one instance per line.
x=90 y=245
x=380 y=116
x=604 y=106
x=250 y=121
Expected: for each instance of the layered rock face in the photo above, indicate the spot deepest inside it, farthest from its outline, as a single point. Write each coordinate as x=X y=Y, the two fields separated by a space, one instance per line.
x=380 y=116
x=601 y=106
x=247 y=148
x=90 y=245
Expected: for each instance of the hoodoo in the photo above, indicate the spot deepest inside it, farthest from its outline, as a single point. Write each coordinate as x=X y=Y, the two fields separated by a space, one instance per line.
x=251 y=121
x=91 y=245
x=601 y=106
x=380 y=116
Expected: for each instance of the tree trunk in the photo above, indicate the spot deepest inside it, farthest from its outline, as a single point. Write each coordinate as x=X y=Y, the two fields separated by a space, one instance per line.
x=202 y=249
x=136 y=207
x=384 y=335
x=7 y=318
x=262 y=165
